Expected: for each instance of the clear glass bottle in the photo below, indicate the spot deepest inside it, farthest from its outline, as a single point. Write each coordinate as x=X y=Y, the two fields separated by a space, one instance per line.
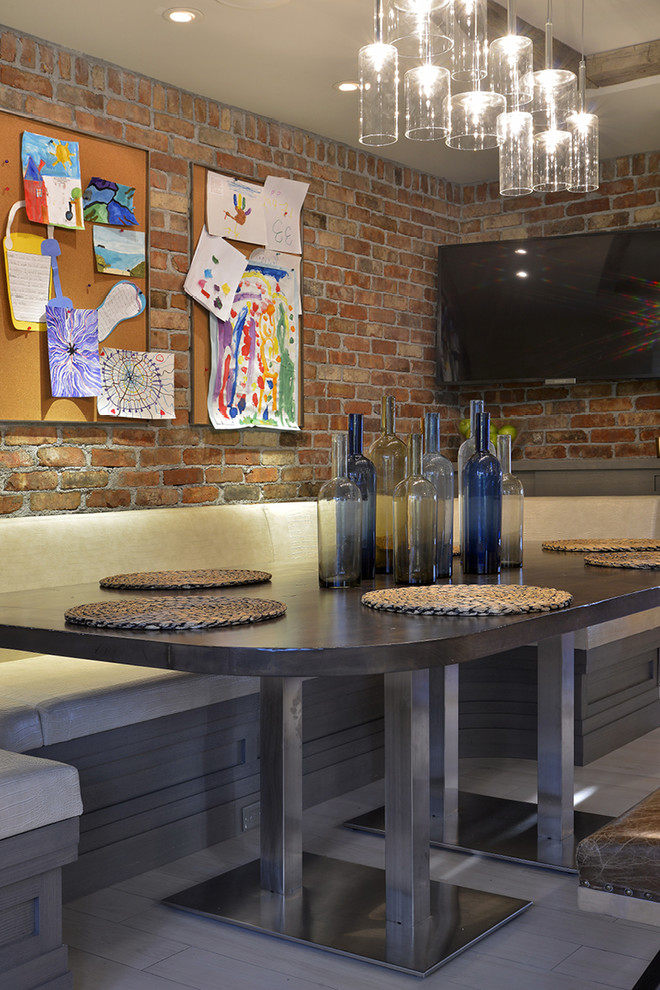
x=415 y=515
x=512 y=507
x=440 y=473
x=388 y=455
x=482 y=506
x=339 y=521
x=362 y=472
x=465 y=451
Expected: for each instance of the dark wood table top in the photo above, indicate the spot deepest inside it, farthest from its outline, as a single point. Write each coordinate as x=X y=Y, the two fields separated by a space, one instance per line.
x=329 y=632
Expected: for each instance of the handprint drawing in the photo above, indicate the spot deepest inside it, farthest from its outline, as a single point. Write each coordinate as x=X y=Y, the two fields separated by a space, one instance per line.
x=241 y=213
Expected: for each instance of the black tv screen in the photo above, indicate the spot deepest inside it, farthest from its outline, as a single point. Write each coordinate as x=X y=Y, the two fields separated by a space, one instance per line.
x=580 y=307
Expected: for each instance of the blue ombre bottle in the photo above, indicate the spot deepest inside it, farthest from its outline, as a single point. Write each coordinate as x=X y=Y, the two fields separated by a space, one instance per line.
x=481 y=534
x=362 y=472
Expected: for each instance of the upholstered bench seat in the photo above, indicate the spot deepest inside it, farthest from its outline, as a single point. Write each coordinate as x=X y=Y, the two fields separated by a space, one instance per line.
x=35 y=793
x=48 y=699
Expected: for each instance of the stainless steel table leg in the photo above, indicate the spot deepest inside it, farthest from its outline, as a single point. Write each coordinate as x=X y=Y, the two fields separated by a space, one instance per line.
x=556 y=700
x=444 y=751
x=281 y=784
x=407 y=800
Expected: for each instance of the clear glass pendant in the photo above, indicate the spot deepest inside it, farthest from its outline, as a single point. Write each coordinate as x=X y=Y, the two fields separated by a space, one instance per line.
x=473 y=120
x=379 y=94
x=470 y=53
x=515 y=134
x=552 y=161
x=510 y=64
x=427 y=105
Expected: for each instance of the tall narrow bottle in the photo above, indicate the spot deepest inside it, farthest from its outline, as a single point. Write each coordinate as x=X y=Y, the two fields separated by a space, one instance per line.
x=512 y=507
x=388 y=455
x=440 y=473
x=465 y=451
x=415 y=515
x=362 y=472
x=339 y=522
x=482 y=506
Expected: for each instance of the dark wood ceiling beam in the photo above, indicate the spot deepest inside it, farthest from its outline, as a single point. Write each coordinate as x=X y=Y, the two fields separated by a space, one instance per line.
x=603 y=68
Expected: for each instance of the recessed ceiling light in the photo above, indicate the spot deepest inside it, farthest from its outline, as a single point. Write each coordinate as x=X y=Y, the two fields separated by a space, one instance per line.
x=346 y=87
x=181 y=15
x=522 y=274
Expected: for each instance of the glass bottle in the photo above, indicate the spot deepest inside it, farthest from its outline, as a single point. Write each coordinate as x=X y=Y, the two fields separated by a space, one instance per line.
x=339 y=522
x=465 y=451
x=482 y=505
x=362 y=472
x=388 y=455
x=512 y=507
x=440 y=473
x=415 y=514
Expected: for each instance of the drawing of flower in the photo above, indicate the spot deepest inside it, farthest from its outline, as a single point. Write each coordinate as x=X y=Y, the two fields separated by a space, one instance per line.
x=73 y=351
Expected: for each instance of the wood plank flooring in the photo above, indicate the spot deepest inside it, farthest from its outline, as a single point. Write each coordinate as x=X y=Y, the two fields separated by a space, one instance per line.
x=122 y=938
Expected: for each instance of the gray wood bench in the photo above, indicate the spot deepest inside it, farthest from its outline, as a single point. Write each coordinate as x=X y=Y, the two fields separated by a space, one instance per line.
x=39 y=808
x=619 y=872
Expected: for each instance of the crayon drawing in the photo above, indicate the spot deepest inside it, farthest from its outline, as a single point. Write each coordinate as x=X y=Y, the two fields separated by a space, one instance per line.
x=51 y=181
x=109 y=202
x=255 y=366
x=136 y=384
x=73 y=351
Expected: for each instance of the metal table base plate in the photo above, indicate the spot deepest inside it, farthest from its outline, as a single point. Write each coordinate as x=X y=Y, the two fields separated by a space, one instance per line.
x=499 y=828
x=341 y=908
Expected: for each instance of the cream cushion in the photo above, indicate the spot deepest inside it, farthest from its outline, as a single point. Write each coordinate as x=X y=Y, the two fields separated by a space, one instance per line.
x=20 y=726
x=35 y=793
x=70 y=698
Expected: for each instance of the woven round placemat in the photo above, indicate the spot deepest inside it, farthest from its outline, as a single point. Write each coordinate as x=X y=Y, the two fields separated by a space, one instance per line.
x=646 y=560
x=174 y=613
x=613 y=546
x=213 y=578
x=468 y=599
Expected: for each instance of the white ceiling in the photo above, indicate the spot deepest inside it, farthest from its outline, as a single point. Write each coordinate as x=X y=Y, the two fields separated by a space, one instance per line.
x=280 y=58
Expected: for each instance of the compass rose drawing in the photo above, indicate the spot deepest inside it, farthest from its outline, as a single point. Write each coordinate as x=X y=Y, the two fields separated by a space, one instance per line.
x=136 y=384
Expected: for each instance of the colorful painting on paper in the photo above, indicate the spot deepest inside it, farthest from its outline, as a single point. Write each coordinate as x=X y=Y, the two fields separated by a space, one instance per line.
x=255 y=366
x=105 y=201
x=51 y=181
x=136 y=384
x=120 y=252
x=214 y=274
x=73 y=351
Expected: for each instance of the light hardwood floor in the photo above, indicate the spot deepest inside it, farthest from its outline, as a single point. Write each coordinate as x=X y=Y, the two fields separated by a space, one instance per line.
x=122 y=938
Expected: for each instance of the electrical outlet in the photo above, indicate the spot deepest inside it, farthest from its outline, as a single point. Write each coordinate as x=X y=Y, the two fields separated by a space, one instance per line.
x=251 y=815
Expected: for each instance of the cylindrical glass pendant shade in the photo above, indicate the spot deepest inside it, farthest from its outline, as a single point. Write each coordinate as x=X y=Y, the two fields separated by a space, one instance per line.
x=420 y=6
x=515 y=135
x=510 y=64
x=583 y=128
x=427 y=105
x=379 y=94
x=552 y=161
x=418 y=34
x=473 y=120
x=555 y=97
x=470 y=54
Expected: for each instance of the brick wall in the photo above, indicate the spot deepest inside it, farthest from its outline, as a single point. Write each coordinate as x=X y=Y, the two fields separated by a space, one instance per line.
x=371 y=230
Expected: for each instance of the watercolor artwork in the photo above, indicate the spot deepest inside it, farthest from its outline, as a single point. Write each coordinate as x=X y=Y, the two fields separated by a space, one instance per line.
x=136 y=384
x=255 y=366
x=235 y=209
x=51 y=181
x=214 y=274
x=283 y=200
x=73 y=352
x=120 y=252
x=105 y=201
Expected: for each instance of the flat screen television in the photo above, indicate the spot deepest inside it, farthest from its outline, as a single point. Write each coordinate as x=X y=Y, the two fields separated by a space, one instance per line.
x=570 y=308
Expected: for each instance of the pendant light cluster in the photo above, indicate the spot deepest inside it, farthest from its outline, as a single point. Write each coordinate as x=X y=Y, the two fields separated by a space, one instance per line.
x=547 y=140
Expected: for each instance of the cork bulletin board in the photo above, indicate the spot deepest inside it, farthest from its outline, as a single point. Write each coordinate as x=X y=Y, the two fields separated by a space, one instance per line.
x=25 y=393
x=201 y=358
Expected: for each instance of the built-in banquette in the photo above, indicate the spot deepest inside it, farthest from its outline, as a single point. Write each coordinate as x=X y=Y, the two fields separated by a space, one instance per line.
x=166 y=761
